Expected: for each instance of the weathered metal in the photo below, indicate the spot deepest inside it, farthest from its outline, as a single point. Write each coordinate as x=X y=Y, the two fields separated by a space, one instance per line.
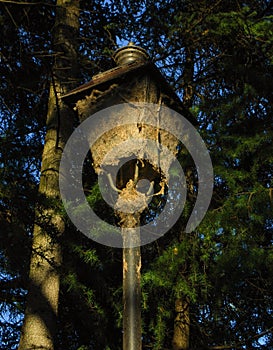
x=130 y=53
x=131 y=293
x=135 y=80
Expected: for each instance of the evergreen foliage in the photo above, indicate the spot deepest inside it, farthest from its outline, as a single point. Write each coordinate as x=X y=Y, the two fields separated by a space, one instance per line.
x=217 y=55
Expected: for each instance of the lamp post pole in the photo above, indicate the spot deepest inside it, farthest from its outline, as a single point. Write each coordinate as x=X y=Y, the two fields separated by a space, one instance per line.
x=131 y=290
x=129 y=206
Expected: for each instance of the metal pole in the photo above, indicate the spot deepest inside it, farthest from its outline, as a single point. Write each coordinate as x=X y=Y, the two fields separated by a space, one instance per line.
x=129 y=206
x=131 y=290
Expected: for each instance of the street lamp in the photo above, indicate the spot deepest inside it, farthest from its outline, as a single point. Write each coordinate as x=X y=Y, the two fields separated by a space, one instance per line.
x=123 y=155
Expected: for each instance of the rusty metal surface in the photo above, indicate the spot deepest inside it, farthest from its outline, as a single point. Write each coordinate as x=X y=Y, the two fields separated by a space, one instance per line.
x=130 y=53
x=104 y=77
x=119 y=74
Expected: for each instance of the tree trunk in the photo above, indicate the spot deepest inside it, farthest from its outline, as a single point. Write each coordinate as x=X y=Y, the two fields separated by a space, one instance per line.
x=181 y=337
x=40 y=325
x=188 y=77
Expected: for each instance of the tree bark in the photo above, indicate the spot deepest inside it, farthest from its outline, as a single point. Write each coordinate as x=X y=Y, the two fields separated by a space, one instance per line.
x=39 y=328
x=181 y=337
x=188 y=77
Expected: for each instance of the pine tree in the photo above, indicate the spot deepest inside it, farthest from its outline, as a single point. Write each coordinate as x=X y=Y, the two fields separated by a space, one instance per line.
x=40 y=321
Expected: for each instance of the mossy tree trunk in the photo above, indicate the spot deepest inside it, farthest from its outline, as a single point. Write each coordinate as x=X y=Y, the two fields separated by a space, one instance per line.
x=40 y=323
